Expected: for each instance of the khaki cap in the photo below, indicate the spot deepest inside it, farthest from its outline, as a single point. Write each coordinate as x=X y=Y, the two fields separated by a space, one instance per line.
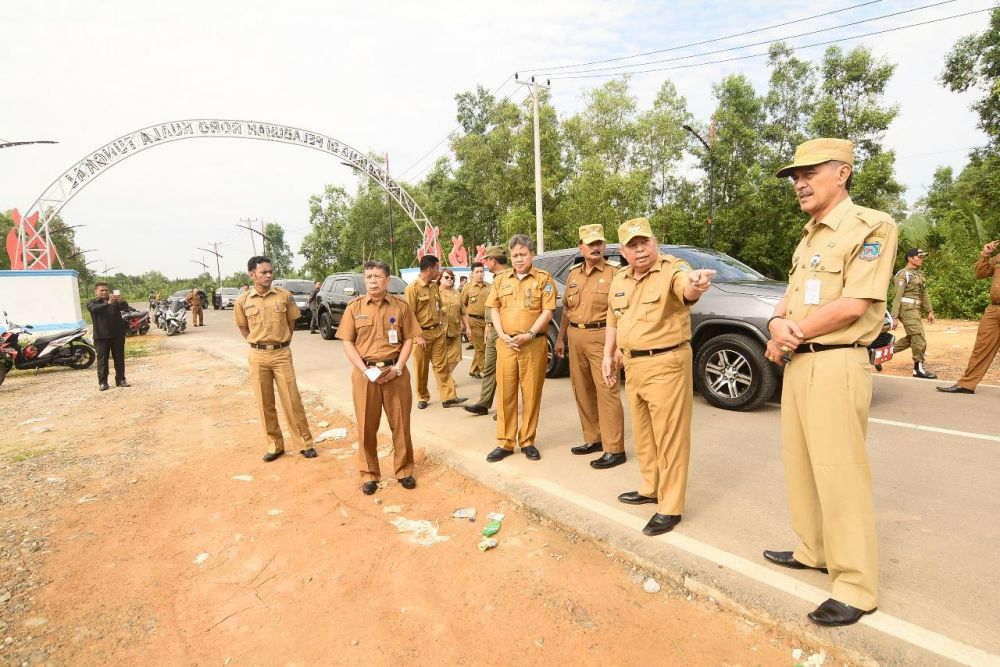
x=591 y=233
x=629 y=229
x=494 y=252
x=818 y=151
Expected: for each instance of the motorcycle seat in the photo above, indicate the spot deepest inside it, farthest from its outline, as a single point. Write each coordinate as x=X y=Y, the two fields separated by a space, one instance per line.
x=41 y=341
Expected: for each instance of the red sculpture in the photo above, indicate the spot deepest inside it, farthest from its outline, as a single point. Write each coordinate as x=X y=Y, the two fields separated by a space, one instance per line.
x=458 y=256
x=34 y=241
x=431 y=244
x=480 y=252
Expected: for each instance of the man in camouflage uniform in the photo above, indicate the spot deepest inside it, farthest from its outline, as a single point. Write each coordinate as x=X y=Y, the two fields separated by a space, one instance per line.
x=912 y=298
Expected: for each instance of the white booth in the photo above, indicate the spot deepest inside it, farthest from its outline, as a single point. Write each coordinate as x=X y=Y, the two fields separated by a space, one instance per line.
x=47 y=300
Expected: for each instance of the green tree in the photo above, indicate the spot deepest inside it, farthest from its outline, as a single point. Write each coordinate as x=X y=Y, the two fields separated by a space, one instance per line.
x=974 y=63
x=320 y=247
x=276 y=248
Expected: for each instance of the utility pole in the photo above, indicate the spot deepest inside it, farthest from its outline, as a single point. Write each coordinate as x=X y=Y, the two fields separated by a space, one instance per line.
x=711 y=176
x=200 y=263
x=253 y=239
x=392 y=239
x=215 y=251
x=533 y=87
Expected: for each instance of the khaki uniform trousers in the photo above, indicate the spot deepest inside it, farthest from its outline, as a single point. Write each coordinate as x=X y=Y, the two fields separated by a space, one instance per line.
x=522 y=370
x=197 y=317
x=267 y=369
x=661 y=396
x=824 y=421
x=478 y=328
x=914 y=339
x=985 y=348
x=435 y=354
x=370 y=400
x=489 y=383
x=600 y=406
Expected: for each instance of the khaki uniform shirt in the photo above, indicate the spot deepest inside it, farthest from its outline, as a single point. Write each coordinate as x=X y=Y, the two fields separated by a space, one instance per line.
x=451 y=304
x=367 y=325
x=521 y=301
x=425 y=301
x=585 y=299
x=850 y=253
x=651 y=313
x=474 y=299
x=986 y=266
x=911 y=285
x=194 y=300
x=270 y=317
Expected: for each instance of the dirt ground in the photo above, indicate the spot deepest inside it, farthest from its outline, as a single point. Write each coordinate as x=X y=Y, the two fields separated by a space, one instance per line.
x=140 y=525
x=949 y=343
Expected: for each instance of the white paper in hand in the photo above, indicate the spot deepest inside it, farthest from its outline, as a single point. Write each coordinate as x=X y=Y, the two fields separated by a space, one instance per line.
x=373 y=373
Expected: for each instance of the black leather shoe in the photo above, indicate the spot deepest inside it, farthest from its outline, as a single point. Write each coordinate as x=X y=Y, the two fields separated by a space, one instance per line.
x=832 y=614
x=661 y=523
x=498 y=454
x=531 y=452
x=587 y=448
x=453 y=402
x=368 y=488
x=421 y=405
x=920 y=372
x=313 y=332
x=308 y=453
x=956 y=389
x=633 y=498
x=408 y=483
x=270 y=456
x=103 y=386
x=608 y=460
x=786 y=559
x=123 y=383
x=477 y=409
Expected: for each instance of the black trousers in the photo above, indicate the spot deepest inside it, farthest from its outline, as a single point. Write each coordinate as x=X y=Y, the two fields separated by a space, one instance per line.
x=314 y=319
x=116 y=347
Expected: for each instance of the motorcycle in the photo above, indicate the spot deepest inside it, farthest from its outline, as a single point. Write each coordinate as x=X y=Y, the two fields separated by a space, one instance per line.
x=136 y=322
x=880 y=350
x=175 y=317
x=63 y=348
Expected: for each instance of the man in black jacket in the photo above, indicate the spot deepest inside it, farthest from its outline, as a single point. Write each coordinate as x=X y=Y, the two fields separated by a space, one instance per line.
x=109 y=333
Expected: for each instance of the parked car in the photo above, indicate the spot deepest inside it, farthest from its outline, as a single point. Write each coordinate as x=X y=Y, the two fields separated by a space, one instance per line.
x=300 y=289
x=728 y=324
x=183 y=293
x=337 y=291
x=225 y=297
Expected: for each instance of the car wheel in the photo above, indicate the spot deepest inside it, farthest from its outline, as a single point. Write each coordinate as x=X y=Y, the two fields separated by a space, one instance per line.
x=326 y=329
x=554 y=366
x=732 y=373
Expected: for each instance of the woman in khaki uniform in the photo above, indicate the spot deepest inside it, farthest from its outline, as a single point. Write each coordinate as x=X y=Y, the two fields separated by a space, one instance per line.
x=451 y=304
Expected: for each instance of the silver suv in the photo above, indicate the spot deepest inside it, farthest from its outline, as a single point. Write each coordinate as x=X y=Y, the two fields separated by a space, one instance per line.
x=727 y=324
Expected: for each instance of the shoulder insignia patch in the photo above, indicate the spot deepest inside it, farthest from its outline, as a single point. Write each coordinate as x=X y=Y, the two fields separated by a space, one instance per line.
x=870 y=251
x=683 y=266
x=548 y=288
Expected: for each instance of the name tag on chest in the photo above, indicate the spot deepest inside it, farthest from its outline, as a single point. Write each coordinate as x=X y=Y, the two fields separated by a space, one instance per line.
x=393 y=336
x=812 y=292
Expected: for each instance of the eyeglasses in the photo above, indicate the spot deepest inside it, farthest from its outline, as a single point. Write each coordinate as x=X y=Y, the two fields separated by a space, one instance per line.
x=447 y=278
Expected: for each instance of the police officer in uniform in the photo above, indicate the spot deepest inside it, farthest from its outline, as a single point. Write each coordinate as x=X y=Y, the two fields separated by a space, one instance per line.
x=584 y=318
x=474 y=303
x=378 y=330
x=988 y=335
x=266 y=315
x=911 y=297
x=194 y=300
x=833 y=307
x=521 y=304
x=649 y=324
x=494 y=259
x=432 y=345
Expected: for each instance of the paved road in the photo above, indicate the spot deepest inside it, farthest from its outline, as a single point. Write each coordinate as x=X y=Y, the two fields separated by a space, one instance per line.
x=935 y=460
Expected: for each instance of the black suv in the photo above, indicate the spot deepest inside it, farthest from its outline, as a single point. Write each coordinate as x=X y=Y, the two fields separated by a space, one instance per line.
x=727 y=324
x=300 y=289
x=337 y=291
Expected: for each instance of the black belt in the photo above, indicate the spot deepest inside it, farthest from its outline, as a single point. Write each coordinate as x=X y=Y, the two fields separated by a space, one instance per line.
x=478 y=317
x=263 y=346
x=381 y=364
x=996 y=303
x=650 y=353
x=820 y=347
x=430 y=328
x=588 y=325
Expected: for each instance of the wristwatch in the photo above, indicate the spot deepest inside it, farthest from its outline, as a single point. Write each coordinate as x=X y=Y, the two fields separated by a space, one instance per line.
x=531 y=333
x=399 y=371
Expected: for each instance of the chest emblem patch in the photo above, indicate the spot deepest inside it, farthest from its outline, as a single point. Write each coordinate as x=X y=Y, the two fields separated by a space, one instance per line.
x=870 y=251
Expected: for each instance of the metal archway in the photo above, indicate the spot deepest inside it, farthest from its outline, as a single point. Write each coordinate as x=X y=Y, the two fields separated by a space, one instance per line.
x=34 y=241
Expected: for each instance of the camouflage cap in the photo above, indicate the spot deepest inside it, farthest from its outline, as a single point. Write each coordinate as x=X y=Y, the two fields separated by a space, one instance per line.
x=591 y=233
x=915 y=252
x=818 y=151
x=630 y=229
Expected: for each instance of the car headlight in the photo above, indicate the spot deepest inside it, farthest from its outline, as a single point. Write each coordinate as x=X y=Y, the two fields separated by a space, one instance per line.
x=769 y=300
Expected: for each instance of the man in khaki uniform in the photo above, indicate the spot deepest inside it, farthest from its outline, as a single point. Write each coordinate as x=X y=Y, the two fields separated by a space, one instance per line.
x=378 y=330
x=494 y=259
x=194 y=300
x=911 y=297
x=649 y=325
x=988 y=336
x=584 y=318
x=266 y=317
x=834 y=306
x=474 y=303
x=432 y=346
x=521 y=305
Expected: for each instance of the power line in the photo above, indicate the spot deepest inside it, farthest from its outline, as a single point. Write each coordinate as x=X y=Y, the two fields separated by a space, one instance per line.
x=792 y=48
x=768 y=41
x=703 y=42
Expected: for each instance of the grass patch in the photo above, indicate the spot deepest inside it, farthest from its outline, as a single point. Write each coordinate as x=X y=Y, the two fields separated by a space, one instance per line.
x=28 y=454
x=140 y=347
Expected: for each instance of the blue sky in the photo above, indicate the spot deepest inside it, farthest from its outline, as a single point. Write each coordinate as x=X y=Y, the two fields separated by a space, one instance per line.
x=380 y=76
